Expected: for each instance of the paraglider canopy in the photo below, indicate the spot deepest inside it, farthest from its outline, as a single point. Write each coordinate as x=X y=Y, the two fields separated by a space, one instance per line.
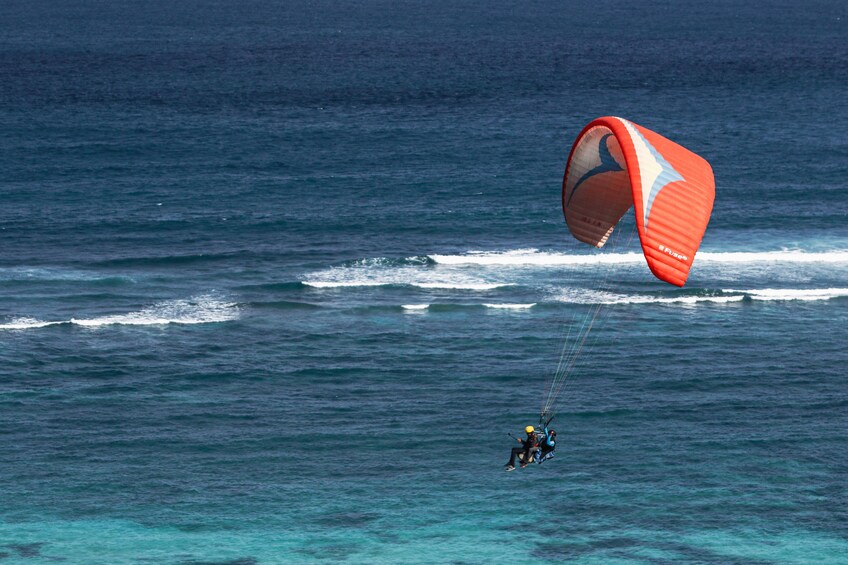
x=615 y=164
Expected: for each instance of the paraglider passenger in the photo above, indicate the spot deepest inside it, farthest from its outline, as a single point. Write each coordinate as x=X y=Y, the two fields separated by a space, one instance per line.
x=547 y=445
x=528 y=449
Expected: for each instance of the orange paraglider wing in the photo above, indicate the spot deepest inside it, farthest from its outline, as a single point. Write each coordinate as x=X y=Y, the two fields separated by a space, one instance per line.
x=615 y=164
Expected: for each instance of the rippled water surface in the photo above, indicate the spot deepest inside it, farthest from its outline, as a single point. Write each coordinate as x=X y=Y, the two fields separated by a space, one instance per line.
x=276 y=281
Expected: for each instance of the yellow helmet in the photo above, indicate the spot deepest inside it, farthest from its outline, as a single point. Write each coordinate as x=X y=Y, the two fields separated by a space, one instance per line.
x=529 y=429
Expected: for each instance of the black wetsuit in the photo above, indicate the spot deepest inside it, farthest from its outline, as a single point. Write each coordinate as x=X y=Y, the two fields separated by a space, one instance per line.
x=529 y=446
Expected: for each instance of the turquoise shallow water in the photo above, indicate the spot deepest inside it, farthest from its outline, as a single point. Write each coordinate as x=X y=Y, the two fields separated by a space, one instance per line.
x=277 y=281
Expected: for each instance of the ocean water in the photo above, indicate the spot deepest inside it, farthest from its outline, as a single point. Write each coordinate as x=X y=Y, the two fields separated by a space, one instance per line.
x=277 y=279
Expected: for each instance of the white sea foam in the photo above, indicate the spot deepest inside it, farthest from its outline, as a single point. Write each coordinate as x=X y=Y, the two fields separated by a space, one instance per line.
x=342 y=284
x=585 y=296
x=643 y=299
x=446 y=285
x=792 y=293
x=198 y=310
x=373 y=273
x=524 y=257
x=463 y=286
x=579 y=296
x=26 y=323
x=420 y=307
x=519 y=257
x=782 y=256
x=482 y=271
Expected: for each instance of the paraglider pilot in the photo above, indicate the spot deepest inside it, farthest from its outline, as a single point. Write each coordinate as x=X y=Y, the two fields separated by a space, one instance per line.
x=528 y=449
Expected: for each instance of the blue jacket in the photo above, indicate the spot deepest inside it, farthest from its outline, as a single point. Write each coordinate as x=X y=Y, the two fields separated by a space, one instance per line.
x=548 y=442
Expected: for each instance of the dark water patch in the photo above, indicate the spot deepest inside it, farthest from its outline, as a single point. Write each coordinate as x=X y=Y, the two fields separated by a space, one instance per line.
x=289 y=285
x=560 y=551
x=606 y=414
x=334 y=372
x=281 y=305
x=236 y=561
x=111 y=281
x=553 y=530
x=695 y=385
x=222 y=377
x=110 y=388
x=614 y=543
x=47 y=281
x=348 y=519
x=28 y=550
x=200 y=527
x=387 y=537
x=519 y=527
x=209 y=417
x=101 y=297
x=623 y=547
x=836 y=403
x=171 y=260
x=332 y=553
x=691 y=554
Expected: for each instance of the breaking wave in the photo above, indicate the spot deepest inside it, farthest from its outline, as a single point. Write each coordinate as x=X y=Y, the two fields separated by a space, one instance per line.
x=445 y=285
x=792 y=294
x=414 y=272
x=582 y=296
x=197 y=310
x=446 y=307
x=524 y=257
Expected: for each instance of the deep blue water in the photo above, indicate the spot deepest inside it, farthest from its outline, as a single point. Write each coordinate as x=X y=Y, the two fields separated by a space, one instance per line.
x=276 y=279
